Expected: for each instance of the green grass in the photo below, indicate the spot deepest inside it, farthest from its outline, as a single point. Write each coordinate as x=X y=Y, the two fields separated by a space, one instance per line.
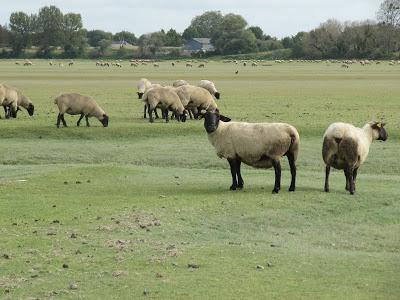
x=128 y=207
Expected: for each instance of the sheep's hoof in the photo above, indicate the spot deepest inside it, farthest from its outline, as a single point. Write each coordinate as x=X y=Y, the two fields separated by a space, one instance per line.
x=275 y=191
x=352 y=192
x=233 y=188
x=292 y=189
x=240 y=187
x=326 y=190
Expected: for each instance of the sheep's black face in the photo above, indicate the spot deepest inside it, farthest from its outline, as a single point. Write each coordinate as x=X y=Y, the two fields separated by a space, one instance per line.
x=182 y=117
x=31 y=109
x=382 y=134
x=211 y=121
x=140 y=95
x=217 y=95
x=104 y=121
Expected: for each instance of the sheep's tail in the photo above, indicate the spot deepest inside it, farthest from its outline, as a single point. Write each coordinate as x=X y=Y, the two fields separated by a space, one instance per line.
x=294 y=143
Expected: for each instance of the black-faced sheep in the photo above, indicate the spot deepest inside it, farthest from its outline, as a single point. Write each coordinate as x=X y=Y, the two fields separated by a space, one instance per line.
x=345 y=147
x=11 y=99
x=260 y=145
x=76 y=104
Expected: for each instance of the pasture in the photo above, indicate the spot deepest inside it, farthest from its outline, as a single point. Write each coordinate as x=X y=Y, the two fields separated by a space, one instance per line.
x=140 y=210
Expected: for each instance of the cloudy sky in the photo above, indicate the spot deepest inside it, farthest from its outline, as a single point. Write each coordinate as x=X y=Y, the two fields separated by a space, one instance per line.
x=276 y=17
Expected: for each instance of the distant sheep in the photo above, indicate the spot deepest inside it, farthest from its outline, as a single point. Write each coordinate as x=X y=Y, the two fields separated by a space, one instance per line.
x=345 y=147
x=260 y=145
x=75 y=104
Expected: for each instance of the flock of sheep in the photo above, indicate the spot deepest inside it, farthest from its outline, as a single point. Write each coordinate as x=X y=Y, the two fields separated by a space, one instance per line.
x=260 y=145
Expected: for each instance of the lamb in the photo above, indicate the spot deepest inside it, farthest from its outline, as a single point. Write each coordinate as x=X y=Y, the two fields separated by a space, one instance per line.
x=260 y=145
x=143 y=86
x=75 y=104
x=12 y=99
x=165 y=98
x=346 y=147
x=209 y=86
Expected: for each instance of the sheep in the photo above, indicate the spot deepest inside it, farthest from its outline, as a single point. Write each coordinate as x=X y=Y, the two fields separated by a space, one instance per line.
x=143 y=86
x=196 y=98
x=209 y=86
x=178 y=83
x=12 y=99
x=346 y=147
x=165 y=98
x=189 y=65
x=260 y=145
x=156 y=65
x=202 y=65
x=71 y=63
x=75 y=104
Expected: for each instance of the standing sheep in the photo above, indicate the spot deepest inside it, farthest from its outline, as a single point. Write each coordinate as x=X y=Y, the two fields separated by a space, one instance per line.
x=260 y=145
x=165 y=98
x=345 y=147
x=196 y=98
x=143 y=86
x=11 y=99
x=75 y=104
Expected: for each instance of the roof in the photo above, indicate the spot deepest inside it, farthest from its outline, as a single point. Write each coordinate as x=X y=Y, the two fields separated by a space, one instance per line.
x=203 y=40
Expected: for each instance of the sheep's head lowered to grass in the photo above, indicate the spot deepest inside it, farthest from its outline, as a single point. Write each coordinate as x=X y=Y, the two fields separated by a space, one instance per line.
x=104 y=121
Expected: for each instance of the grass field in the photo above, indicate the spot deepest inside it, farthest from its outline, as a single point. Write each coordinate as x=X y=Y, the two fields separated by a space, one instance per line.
x=120 y=212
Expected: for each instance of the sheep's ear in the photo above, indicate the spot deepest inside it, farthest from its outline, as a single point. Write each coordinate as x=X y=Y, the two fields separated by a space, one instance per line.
x=377 y=125
x=224 y=119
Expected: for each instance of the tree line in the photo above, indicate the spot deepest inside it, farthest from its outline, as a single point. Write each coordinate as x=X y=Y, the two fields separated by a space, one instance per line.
x=50 y=30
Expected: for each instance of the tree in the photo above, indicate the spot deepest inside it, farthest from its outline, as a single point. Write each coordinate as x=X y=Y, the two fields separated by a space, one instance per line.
x=258 y=32
x=95 y=36
x=150 y=44
x=4 y=36
x=125 y=36
x=21 y=26
x=389 y=12
x=103 y=46
x=73 y=35
x=232 y=37
x=49 y=28
x=203 y=26
x=173 y=39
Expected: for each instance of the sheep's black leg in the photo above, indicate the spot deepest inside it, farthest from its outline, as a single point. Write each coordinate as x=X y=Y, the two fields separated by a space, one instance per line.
x=6 y=112
x=144 y=111
x=278 y=170
x=233 y=165
x=165 y=113
x=58 y=120
x=239 y=175
x=190 y=114
x=292 y=165
x=350 y=180
x=63 y=120
x=327 y=171
x=150 y=112
x=79 y=121
x=347 y=179
x=155 y=112
x=87 y=121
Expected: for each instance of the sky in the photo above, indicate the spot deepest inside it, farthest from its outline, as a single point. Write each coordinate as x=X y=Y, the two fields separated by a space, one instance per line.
x=278 y=18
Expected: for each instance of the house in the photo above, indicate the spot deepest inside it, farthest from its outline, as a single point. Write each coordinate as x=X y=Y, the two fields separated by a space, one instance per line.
x=121 y=44
x=199 y=44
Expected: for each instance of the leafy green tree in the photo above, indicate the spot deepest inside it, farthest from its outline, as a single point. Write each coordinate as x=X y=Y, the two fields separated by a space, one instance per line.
x=21 y=26
x=103 y=46
x=150 y=44
x=4 y=36
x=258 y=32
x=95 y=36
x=125 y=36
x=173 y=39
x=73 y=35
x=232 y=37
x=49 y=29
x=203 y=26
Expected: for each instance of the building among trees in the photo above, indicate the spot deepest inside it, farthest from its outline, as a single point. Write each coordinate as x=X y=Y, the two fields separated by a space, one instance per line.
x=198 y=44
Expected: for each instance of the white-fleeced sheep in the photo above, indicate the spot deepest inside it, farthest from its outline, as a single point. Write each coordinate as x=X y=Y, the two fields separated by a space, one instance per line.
x=11 y=99
x=209 y=86
x=76 y=104
x=178 y=83
x=345 y=147
x=166 y=99
x=143 y=86
x=260 y=145
x=196 y=98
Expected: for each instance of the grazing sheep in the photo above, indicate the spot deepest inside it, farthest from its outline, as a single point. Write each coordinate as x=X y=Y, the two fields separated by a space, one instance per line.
x=11 y=99
x=156 y=65
x=189 y=65
x=173 y=64
x=209 y=86
x=178 y=83
x=202 y=65
x=71 y=63
x=143 y=86
x=260 y=145
x=166 y=99
x=196 y=98
x=17 y=63
x=75 y=104
x=345 y=147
